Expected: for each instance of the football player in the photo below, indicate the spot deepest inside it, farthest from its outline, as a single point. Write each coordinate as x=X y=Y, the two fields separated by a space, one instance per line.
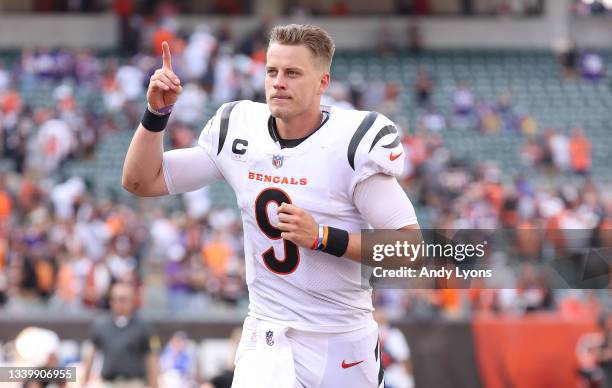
x=307 y=178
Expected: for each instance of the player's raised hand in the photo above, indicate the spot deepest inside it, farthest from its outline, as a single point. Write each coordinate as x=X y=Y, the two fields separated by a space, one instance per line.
x=297 y=225
x=164 y=86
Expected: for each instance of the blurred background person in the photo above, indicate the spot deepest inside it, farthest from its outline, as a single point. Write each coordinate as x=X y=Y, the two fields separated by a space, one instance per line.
x=594 y=355
x=178 y=362
x=126 y=342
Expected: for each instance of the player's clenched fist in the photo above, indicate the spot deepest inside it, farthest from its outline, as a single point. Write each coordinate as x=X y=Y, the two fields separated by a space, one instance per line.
x=164 y=85
x=297 y=225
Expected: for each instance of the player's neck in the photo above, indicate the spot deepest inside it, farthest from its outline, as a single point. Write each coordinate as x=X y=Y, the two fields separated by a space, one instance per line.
x=300 y=126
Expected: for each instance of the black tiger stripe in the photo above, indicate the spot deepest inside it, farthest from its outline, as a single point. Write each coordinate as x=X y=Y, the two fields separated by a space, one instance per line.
x=394 y=143
x=358 y=136
x=225 y=115
x=381 y=371
x=376 y=349
x=384 y=131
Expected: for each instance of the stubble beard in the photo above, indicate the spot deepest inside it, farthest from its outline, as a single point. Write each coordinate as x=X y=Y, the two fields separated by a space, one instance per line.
x=280 y=112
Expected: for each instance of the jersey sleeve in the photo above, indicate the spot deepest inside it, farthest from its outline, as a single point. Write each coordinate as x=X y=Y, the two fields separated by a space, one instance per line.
x=189 y=169
x=375 y=148
x=215 y=132
x=383 y=203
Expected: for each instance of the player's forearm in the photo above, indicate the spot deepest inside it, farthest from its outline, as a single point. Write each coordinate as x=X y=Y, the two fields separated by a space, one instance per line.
x=142 y=170
x=353 y=249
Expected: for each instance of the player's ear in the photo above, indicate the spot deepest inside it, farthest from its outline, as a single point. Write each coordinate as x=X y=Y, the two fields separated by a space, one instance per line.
x=324 y=82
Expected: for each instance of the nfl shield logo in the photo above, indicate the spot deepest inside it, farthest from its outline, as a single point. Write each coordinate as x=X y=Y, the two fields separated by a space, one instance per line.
x=269 y=337
x=277 y=161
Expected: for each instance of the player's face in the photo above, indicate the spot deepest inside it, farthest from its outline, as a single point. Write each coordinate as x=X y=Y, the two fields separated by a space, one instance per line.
x=295 y=81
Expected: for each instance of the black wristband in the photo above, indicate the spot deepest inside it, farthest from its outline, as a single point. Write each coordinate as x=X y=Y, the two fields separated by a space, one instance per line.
x=337 y=241
x=154 y=123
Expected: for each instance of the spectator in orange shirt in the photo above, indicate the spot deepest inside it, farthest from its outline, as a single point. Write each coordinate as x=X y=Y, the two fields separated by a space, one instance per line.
x=580 y=152
x=161 y=34
x=450 y=301
x=216 y=255
x=66 y=283
x=167 y=31
x=6 y=204
x=10 y=102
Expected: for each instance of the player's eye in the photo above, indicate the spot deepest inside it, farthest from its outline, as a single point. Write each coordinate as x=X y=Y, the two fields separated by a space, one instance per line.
x=292 y=73
x=271 y=72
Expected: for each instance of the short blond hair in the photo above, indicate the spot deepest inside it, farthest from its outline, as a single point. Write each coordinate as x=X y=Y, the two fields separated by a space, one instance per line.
x=316 y=39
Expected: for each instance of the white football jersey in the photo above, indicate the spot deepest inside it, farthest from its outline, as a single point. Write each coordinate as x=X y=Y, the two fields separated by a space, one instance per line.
x=301 y=288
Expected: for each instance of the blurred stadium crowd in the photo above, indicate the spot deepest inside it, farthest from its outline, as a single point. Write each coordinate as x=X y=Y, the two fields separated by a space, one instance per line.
x=62 y=244
x=310 y=8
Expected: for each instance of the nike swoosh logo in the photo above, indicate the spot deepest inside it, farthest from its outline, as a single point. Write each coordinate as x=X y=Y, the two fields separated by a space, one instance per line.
x=350 y=364
x=393 y=157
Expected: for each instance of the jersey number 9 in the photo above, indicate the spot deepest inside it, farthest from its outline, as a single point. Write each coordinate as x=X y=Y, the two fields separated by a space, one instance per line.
x=291 y=259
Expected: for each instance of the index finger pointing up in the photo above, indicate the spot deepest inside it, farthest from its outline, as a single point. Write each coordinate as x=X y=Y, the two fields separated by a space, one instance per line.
x=166 y=60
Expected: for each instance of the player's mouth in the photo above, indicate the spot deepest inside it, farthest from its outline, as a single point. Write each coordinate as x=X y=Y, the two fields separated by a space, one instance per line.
x=281 y=98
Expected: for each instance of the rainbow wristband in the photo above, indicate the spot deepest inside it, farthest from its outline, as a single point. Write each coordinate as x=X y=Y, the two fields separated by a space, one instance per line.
x=325 y=237
x=331 y=240
x=320 y=241
x=315 y=244
x=320 y=237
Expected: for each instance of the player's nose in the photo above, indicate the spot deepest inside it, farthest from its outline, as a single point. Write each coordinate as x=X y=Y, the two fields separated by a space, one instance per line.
x=279 y=82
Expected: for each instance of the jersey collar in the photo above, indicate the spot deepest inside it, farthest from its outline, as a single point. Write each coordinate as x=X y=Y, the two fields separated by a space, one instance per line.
x=290 y=143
